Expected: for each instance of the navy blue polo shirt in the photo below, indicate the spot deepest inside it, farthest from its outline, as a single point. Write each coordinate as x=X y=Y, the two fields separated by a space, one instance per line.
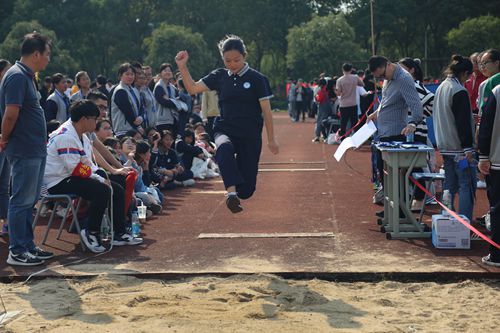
x=239 y=100
x=29 y=136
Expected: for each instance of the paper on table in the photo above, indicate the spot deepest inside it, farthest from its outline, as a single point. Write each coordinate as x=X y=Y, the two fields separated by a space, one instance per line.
x=363 y=134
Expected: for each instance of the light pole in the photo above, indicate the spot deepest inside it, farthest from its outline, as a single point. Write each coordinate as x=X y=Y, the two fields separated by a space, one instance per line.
x=372 y=26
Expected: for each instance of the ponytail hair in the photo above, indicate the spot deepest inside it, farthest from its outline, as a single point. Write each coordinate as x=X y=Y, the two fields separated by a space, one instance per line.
x=415 y=65
x=459 y=65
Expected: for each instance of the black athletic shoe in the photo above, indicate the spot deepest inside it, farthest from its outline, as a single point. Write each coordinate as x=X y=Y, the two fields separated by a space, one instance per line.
x=156 y=208
x=23 y=259
x=41 y=254
x=233 y=203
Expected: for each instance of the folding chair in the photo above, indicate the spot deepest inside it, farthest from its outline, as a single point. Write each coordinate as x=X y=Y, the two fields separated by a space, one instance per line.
x=58 y=200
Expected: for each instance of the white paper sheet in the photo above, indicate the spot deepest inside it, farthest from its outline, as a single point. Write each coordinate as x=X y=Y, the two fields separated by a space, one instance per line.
x=363 y=134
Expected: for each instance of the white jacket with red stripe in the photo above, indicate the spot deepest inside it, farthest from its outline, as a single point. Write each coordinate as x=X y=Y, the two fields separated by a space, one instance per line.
x=64 y=151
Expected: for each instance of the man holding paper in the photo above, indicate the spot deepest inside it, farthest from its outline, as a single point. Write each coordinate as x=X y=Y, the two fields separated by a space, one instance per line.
x=398 y=96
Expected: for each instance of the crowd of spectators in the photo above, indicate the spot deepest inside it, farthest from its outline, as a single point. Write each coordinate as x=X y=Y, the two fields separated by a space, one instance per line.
x=117 y=146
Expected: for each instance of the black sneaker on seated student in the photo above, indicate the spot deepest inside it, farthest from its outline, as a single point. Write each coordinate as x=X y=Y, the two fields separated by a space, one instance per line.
x=233 y=203
x=23 y=259
x=156 y=208
x=126 y=239
x=490 y=261
x=40 y=253
x=92 y=241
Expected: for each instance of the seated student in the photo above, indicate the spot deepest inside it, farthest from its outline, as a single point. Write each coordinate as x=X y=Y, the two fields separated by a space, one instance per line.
x=187 y=150
x=70 y=169
x=203 y=141
x=206 y=167
x=148 y=196
x=164 y=161
x=142 y=158
x=153 y=138
x=103 y=129
x=198 y=129
x=134 y=134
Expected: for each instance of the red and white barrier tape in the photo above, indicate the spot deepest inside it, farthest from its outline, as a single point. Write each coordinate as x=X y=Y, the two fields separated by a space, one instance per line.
x=455 y=215
x=358 y=123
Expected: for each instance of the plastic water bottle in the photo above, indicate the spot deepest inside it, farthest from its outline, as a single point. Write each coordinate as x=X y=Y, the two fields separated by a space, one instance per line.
x=410 y=137
x=105 y=227
x=446 y=201
x=136 y=226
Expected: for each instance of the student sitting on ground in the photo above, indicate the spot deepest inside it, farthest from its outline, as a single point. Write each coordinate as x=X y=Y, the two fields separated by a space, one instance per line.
x=186 y=149
x=144 y=190
x=70 y=169
x=164 y=161
x=127 y=154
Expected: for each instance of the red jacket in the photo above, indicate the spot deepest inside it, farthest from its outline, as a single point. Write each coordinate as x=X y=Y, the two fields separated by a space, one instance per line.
x=472 y=86
x=322 y=95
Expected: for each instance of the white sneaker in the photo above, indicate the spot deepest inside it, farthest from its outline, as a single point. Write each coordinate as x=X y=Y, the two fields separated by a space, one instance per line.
x=189 y=182
x=212 y=174
x=481 y=184
x=126 y=239
x=92 y=241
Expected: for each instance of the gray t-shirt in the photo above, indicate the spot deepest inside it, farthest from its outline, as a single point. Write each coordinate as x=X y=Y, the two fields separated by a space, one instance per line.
x=29 y=136
x=346 y=88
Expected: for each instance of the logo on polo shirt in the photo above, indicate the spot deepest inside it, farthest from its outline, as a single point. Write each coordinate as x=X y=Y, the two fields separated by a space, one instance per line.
x=246 y=85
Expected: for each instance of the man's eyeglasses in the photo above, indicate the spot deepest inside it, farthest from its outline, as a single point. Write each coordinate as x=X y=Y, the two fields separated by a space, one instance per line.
x=102 y=107
x=484 y=63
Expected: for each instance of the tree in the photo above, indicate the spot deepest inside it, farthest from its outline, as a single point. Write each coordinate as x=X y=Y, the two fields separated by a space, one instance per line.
x=475 y=34
x=61 y=60
x=167 y=40
x=321 y=45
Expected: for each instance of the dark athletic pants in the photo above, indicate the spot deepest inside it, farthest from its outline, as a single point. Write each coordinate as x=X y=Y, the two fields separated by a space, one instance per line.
x=494 y=198
x=238 y=160
x=346 y=114
x=98 y=194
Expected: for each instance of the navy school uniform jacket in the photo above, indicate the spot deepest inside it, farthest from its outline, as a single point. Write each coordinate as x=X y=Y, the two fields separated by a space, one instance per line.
x=187 y=153
x=239 y=101
x=167 y=160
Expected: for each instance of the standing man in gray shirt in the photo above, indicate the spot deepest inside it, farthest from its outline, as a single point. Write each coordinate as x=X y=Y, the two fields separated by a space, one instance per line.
x=23 y=139
x=398 y=96
x=346 y=87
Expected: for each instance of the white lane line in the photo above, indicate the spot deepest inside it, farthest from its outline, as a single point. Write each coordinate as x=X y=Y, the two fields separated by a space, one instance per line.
x=292 y=170
x=269 y=235
x=292 y=162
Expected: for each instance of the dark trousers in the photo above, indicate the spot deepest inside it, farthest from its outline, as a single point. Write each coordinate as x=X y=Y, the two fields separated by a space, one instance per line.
x=347 y=114
x=301 y=110
x=494 y=198
x=98 y=195
x=182 y=122
x=210 y=127
x=238 y=160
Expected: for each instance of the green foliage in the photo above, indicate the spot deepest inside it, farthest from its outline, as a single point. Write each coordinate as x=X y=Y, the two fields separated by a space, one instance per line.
x=98 y=35
x=61 y=60
x=475 y=34
x=321 y=45
x=167 y=40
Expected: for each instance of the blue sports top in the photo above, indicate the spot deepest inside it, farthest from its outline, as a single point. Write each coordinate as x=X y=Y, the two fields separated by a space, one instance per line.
x=239 y=100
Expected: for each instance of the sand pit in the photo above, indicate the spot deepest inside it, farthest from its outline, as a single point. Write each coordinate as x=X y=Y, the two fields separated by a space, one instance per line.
x=253 y=303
